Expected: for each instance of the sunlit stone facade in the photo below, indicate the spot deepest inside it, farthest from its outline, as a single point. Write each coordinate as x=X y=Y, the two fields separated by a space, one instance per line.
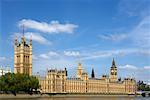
x=23 y=56
x=54 y=82
x=57 y=82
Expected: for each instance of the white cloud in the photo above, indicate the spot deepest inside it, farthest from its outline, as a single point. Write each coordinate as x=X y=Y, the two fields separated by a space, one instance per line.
x=113 y=37
x=138 y=36
x=52 y=53
x=72 y=53
x=135 y=51
x=52 y=27
x=34 y=57
x=147 y=67
x=128 y=67
x=35 y=37
x=111 y=53
x=141 y=33
x=2 y=58
x=53 y=59
x=44 y=56
x=139 y=73
x=60 y=63
x=49 y=55
x=95 y=55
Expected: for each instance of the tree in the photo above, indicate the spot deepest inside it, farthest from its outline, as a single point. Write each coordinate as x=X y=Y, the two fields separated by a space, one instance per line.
x=141 y=86
x=16 y=83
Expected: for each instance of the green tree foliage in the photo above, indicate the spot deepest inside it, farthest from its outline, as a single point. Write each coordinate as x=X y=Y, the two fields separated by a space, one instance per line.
x=16 y=83
x=142 y=86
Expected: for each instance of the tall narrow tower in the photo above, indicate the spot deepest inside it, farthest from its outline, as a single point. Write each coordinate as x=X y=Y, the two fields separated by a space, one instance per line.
x=113 y=72
x=92 y=74
x=23 y=56
x=79 y=70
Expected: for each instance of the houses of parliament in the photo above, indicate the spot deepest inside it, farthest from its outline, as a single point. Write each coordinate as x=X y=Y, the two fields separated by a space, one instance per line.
x=57 y=81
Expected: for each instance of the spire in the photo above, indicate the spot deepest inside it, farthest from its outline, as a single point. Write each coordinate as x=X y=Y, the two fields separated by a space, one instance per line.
x=23 y=30
x=30 y=39
x=79 y=66
x=16 y=40
x=113 y=63
x=66 y=73
x=92 y=74
x=23 y=37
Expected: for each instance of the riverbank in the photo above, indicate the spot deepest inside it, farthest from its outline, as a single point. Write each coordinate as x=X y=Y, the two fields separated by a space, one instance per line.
x=19 y=96
x=27 y=96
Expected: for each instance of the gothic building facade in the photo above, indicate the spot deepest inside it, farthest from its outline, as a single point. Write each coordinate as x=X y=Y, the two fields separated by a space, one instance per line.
x=56 y=81
x=23 y=56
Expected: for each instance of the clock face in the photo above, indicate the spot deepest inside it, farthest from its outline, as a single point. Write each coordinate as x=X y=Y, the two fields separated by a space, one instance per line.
x=113 y=72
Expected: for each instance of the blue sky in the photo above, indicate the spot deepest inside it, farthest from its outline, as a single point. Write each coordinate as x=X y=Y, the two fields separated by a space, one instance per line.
x=92 y=32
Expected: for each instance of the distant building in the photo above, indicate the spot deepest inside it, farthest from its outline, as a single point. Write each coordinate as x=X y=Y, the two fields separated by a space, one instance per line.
x=56 y=81
x=4 y=70
x=23 y=56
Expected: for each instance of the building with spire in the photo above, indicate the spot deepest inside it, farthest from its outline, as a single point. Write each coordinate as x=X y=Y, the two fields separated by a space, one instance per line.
x=57 y=81
x=23 y=56
x=113 y=72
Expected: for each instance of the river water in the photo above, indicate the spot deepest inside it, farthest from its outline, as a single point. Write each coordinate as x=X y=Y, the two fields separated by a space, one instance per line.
x=87 y=98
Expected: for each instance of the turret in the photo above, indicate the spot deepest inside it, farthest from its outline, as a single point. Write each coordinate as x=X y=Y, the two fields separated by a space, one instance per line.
x=16 y=41
x=84 y=76
x=23 y=40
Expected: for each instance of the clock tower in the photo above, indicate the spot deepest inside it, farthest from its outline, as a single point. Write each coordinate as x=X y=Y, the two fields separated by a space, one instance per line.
x=113 y=72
